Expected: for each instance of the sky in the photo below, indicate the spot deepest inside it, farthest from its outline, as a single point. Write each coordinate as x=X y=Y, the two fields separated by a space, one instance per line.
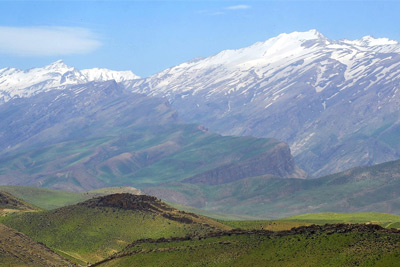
x=147 y=37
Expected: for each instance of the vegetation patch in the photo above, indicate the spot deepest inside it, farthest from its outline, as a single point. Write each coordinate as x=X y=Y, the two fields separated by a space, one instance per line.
x=97 y=228
x=329 y=245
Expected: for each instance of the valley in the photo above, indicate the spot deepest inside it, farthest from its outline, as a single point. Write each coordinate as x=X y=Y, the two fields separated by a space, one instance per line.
x=283 y=152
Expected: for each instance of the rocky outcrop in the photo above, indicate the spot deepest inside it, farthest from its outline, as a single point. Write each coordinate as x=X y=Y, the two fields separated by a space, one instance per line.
x=277 y=161
x=128 y=202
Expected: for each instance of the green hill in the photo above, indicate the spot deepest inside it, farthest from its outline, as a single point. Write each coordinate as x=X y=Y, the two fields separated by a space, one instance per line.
x=331 y=245
x=43 y=197
x=383 y=219
x=364 y=189
x=94 y=229
x=51 y=199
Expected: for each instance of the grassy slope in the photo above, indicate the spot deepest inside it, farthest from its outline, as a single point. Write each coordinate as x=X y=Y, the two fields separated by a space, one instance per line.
x=51 y=199
x=364 y=189
x=134 y=156
x=214 y=215
x=20 y=250
x=265 y=224
x=382 y=219
x=318 y=249
x=9 y=201
x=45 y=198
x=90 y=234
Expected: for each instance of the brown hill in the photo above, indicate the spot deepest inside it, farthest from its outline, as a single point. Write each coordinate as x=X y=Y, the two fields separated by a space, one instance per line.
x=11 y=204
x=17 y=249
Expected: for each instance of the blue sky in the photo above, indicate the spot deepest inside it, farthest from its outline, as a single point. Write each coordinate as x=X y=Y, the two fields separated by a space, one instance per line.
x=149 y=36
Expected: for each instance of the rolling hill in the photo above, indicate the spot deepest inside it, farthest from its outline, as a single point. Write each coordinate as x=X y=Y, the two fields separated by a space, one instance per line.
x=125 y=230
x=363 y=189
x=93 y=230
x=47 y=199
x=329 y=245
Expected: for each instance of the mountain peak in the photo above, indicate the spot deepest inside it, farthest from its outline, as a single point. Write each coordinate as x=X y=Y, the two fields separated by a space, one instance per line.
x=372 y=41
x=57 y=65
x=302 y=36
x=19 y=83
x=101 y=74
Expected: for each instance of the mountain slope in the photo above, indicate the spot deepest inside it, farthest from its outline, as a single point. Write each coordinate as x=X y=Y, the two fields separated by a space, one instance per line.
x=94 y=229
x=20 y=250
x=329 y=245
x=47 y=199
x=18 y=83
x=8 y=201
x=9 y=204
x=364 y=189
x=100 y=135
x=336 y=103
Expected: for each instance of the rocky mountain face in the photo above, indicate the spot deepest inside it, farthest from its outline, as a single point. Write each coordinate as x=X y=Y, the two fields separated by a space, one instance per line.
x=100 y=134
x=335 y=102
x=16 y=83
x=276 y=162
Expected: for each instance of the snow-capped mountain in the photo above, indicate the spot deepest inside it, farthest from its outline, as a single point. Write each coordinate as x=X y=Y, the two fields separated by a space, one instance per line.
x=336 y=102
x=19 y=83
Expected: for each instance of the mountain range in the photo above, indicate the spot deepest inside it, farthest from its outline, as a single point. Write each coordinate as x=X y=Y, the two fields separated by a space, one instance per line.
x=99 y=134
x=213 y=136
x=335 y=102
x=18 y=83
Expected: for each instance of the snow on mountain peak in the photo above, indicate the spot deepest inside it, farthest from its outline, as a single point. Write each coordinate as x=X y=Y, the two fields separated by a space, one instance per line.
x=260 y=53
x=99 y=74
x=301 y=36
x=58 y=66
x=57 y=75
x=370 y=43
x=370 y=40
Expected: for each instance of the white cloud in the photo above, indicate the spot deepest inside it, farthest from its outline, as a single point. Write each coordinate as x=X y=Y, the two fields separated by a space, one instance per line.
x=237 y=7
x=46 y=41
x=217 y=13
